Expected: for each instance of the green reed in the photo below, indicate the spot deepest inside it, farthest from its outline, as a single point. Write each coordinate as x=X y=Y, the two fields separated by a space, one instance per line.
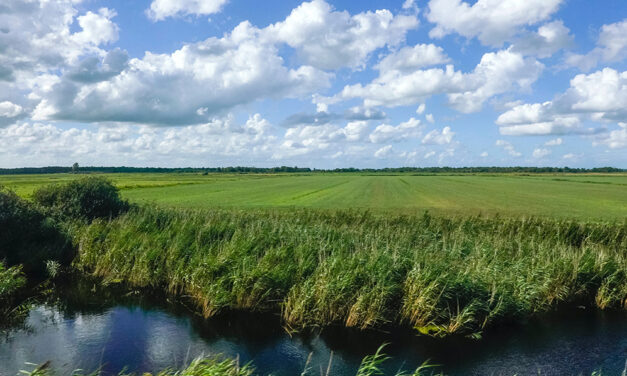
x=440 y=275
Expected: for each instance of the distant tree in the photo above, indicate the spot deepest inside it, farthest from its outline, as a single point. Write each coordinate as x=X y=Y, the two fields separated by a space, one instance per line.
x=75 y=168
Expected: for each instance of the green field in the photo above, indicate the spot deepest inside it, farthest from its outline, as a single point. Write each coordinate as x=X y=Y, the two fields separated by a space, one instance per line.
x=589 y=196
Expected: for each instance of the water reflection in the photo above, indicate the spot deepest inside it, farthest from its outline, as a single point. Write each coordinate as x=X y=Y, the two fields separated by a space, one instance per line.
x=83 y=328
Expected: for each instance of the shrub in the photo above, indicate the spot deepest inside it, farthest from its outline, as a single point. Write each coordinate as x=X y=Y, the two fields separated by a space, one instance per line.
x=27 y=236
x=87 y=198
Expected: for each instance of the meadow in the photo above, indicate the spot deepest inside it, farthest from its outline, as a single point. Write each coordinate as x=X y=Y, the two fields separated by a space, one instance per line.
x=589 y=197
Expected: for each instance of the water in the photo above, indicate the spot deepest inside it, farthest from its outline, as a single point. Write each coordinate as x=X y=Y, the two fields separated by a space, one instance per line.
x=87 y=330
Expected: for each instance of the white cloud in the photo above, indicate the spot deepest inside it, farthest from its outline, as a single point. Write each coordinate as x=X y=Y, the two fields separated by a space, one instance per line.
x=549 y=39
x=38 y=39
x=497 y=73
x=484 y=154
x=421 y=109
x=10 y=110
x=429 y=154
x=384 y=152
x=430 y=118
x=507 y=146
x=540 y=153
x=27 y=143
x=616 y=139
x=172 y=89
x=307 y=139
x=329 y=39
x=571 y=156
x=408 y=59
x=492 y=21
x=37 y=36
x=599 y=96
x=389 y=133
x=611 y=47
x=97 y=28
x=162 y=9
x=436 y=137
x=554 y=142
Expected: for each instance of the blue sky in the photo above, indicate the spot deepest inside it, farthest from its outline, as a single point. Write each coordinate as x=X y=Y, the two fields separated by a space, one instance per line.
x=318 y=83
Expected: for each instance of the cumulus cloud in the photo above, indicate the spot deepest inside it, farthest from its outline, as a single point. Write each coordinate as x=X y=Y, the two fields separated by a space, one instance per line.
x=508 y=147
x=616 y=139
x=412 y=58
x=189 y=86
x=162 y=9
x=10 y=112
x=539 y=153
x=599 y=96
x=323 y=117
x=436 y=137
x=30 y=143
x=491 y=21
x=543 y=43
x=40 y=38
x=496 y=73
x=611 y=47
x=383 y=152
x=212 y=77
x=570 y=156
x=306 y=139
x=388 y=133
x=554 y=142
x=329 y=39
x=95 y=69
x=37 y=36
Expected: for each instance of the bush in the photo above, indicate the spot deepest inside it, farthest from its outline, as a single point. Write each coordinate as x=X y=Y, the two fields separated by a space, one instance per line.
x=87 y=198
x=27 y=236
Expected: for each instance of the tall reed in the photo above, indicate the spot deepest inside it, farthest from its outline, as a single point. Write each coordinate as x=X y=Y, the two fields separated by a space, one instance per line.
x=441 y=275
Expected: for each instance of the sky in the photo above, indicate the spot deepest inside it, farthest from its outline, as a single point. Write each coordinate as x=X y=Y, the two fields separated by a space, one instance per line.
x=320 y=84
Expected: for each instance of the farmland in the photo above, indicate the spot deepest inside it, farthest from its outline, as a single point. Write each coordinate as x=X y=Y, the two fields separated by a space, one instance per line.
x=582 y=196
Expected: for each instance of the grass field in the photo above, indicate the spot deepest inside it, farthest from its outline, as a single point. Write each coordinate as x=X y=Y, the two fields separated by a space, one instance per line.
x=585 y=196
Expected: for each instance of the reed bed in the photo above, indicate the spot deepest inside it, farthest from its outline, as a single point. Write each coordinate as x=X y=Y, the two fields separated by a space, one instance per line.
x=441 y=275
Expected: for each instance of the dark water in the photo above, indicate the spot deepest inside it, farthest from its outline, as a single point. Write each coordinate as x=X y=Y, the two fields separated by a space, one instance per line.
x=88 y=330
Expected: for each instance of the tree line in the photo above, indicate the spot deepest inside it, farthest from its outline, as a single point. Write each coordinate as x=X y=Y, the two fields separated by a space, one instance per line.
x=288 y=169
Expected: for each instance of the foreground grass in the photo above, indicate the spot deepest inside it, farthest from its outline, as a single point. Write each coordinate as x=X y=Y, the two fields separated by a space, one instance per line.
x=216 y=366
x=441 y=275
x=370 y=366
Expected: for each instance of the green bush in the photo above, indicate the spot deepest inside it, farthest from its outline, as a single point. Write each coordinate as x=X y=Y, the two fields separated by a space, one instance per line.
x=87 y=198
x=28 y=237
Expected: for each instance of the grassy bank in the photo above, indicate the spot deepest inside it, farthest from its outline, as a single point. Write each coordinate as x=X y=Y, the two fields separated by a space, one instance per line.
x=442 y=275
